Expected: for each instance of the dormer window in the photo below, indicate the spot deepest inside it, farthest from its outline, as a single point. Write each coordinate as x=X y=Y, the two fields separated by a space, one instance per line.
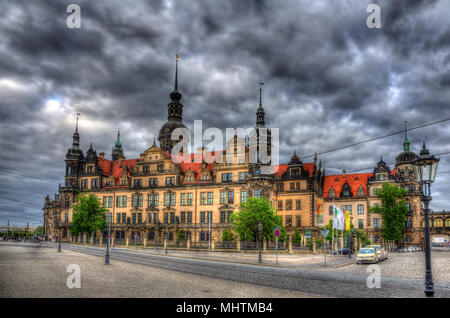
x=361 y=191
x=205 y=176
x=189 y=177
x=89 y=169
x=332 y=194
x=294 y=172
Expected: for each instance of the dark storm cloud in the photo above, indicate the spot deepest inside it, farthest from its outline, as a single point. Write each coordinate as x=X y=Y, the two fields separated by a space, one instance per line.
x=329 y=80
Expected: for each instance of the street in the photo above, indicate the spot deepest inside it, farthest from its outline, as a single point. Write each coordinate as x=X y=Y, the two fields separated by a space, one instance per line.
x=41 y=272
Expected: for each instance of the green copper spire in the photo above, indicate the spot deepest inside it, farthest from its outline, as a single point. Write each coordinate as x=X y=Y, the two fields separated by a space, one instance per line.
x=406 y=141
x=118 y=144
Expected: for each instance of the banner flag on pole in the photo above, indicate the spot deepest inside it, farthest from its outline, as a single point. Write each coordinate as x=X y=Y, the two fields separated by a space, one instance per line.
x=338 y=218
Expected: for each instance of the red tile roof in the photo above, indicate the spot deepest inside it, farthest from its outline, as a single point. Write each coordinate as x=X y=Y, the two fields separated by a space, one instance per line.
x=113 y=168
x=337 y=181
x=280 y=169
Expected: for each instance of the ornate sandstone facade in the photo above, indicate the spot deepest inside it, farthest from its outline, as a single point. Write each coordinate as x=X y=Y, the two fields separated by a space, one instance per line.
x=151 y=194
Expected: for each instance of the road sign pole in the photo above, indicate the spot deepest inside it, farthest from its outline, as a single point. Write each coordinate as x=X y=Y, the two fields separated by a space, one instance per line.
x=276 y=247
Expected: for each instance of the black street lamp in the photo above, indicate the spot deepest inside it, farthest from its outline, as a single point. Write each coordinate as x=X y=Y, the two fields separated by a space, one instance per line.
x=108 y=216
x=59 y=236
x=426 y=166
x=260 y=228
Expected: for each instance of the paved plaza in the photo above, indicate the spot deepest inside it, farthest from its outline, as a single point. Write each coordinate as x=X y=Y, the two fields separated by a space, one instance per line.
x=41 y=272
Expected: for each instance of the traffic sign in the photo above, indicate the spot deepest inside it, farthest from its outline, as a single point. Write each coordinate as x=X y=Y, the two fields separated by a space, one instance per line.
x=308 y=233
x=276 y=231
x=324 y=232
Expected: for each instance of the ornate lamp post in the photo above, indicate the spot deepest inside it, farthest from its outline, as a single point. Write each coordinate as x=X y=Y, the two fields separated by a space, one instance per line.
x=59 y=236
x=426 y=166
x=108 y=216
x=260 y=228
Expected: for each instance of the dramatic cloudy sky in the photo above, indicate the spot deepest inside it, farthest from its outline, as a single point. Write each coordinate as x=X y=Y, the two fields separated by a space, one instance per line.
x=329 y=81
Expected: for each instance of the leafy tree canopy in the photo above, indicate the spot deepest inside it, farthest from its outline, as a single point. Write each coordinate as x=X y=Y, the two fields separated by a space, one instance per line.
x=228 y=235
x=88 y=215
x=392 y=211
x=255 y=210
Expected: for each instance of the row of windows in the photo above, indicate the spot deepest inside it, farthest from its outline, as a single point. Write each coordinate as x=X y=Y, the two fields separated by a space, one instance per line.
x=184 y=218
x=293 y=186
x=206 y=198
x=288 y=205
x=228 y=177
x=348 y=208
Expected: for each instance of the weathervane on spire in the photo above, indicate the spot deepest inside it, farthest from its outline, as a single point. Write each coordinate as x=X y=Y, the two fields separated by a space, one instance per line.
x=76 y=127
x=260 y=92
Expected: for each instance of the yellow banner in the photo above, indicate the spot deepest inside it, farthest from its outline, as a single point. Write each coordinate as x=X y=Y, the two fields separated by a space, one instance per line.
x=347 y=220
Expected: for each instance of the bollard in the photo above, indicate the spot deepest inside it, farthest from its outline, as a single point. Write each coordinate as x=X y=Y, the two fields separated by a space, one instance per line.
x=84 y=239
x=165 y=243
x=355 y=244
x=145 y=242
x=213 y=244
x=264 y=246
x=238 y=244
x=314 y=246
x=127 y=242
x=188 y=244
x=290 y=245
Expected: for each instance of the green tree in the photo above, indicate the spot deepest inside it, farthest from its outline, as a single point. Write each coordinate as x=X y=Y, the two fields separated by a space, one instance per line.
x=228 y=235
x=296 y=238
x=38 y=230
x=88 y=215
x=181 y=236
x=392 y=211
x=255 y=210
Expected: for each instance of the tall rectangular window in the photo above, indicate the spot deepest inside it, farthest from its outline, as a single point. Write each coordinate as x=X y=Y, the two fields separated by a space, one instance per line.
x=110 y=202
x=119 y=202
x=183 y=199
x=149 y=218
x=288 y=220
x=360 y=209
x=155 y=218
x=124 y=218
x=173 y=199
x=189 y=217
x=134 y=218
x=229 y=213
x=172 y=217
x=257 y=194
x=202 y=217
x=118 y=218
x=230 y=197
x=203 y=198
x=189 y=198
x=360 y=224
x=166 y=199
x=298 y=204
x=140 y=199
x=241 y=176
x=105 y=202
x=298 y=220
x=223 y=217
x=166 y=217
x=280 y=205
x=183 y=217
x=243 y=196
x=139 y=218
x=227 y=177
x=223 y=197
x=288 y=205
x=210 y=197
x=124 y=201
x=376 y=223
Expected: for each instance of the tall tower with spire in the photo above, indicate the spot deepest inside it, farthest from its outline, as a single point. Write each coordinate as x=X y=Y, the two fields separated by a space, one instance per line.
x=117 y=150
x=174 y=118
x=74 y=159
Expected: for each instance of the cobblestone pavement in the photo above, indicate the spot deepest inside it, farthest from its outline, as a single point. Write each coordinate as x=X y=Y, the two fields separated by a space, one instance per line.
x=409 y=265
x=41 y=272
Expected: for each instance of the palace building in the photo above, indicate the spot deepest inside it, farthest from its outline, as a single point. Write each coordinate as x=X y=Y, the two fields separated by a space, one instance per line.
x=153 y=194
